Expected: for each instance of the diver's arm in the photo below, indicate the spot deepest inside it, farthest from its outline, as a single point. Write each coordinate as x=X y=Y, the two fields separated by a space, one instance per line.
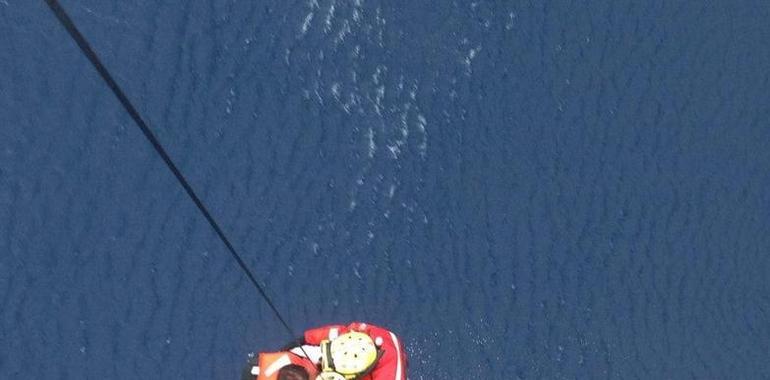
x=317 y=335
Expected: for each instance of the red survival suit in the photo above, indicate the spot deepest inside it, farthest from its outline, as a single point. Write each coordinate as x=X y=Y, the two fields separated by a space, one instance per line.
x=392 y=363
x=390 y=366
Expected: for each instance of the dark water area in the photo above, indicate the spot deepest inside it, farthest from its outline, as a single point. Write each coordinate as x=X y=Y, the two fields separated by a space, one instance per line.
x=519 y=189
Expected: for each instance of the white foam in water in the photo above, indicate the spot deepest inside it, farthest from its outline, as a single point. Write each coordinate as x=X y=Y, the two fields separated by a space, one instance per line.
x=344 y=32
x=372 y=145
x=329 y=17
x=509 y=24
x=306 y=23
x=421 y=126
x=468 y=61
x=336 y=91
x=385 y=107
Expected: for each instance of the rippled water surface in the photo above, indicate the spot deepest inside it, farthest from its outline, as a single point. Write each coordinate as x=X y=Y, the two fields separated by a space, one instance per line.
x=553 y=189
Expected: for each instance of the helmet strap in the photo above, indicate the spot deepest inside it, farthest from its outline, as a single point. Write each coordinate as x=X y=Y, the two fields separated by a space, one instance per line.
x=327 y=364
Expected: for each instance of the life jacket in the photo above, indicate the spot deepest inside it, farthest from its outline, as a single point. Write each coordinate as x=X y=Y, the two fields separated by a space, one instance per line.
x=271 y=362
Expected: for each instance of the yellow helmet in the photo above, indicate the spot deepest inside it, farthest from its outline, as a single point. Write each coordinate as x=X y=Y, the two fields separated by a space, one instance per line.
x=353 y=353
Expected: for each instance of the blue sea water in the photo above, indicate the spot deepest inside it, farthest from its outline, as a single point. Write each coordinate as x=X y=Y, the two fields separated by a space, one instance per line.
x=540 y=189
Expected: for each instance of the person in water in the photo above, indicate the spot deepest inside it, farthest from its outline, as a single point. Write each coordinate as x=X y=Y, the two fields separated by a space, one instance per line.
x=357 y=351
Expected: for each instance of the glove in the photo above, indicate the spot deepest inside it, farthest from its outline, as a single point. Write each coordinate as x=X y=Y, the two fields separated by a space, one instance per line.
x=246 y=373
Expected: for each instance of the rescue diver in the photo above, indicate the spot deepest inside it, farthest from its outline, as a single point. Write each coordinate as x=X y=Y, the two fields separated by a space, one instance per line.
x=358 y=351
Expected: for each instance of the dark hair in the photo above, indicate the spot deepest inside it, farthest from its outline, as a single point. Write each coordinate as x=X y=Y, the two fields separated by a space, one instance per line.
x=293 y=372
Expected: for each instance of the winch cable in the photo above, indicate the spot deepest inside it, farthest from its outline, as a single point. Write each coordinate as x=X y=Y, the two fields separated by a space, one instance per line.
x=86 y=49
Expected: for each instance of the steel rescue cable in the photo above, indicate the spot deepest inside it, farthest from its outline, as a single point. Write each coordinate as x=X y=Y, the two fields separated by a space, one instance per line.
x=85 y=47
